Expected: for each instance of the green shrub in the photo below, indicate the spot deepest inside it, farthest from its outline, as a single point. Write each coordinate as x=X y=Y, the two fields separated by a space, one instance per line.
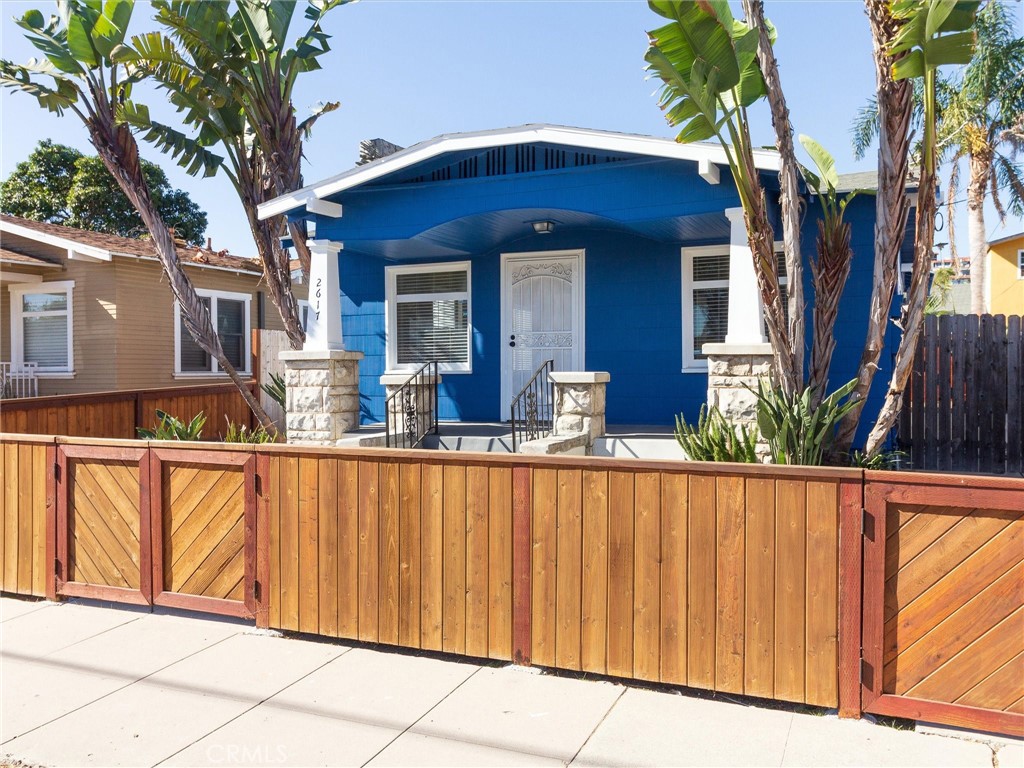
x=171 y=428
x=276 y=389
x=715 y=439
x=892 y=460
x=797 y=432
x=240 y=433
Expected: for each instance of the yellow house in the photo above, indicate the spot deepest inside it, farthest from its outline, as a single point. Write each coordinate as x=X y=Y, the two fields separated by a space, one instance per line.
x=1006 y=275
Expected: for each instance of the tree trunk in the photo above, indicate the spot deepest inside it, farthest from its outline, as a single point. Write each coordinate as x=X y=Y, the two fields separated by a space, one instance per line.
x=829 y=273
x=789 y=199
x=891 y=207
x=119 y=152
x=981 y=166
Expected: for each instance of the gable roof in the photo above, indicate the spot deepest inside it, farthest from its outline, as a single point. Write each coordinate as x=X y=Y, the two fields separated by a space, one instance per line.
x=586 y=138
x=99 y=245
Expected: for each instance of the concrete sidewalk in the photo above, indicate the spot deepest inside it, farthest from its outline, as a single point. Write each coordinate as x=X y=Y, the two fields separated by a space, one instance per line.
x=89 y=685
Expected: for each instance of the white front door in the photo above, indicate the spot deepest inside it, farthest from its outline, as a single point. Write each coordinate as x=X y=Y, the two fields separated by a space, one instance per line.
x=542 y=317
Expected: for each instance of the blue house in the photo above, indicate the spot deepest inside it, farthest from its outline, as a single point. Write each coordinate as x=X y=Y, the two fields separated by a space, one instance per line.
x=491 y=252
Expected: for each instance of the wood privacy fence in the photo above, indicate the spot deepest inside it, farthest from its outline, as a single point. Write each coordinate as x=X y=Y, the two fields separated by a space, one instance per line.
x=964 y=408
x=118 y=414
x=743 y=579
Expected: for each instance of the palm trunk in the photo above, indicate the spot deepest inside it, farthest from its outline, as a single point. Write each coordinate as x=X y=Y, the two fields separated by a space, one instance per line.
x=891 y=208
x=119 y=152
x=829 y=273
x=789 y=190
x=980 y=165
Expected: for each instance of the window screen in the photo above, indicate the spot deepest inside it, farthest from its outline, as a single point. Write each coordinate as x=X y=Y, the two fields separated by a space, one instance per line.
x=45 y=321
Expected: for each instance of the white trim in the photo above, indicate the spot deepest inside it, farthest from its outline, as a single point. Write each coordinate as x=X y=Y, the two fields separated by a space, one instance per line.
x=72 y=246
x=609 y=141
x=325 y=208
x=708 y=171
x=215 y=370
x=691 y=363
x=391 y=313
x=18 y=315
x=580 y=321
x=20 y=277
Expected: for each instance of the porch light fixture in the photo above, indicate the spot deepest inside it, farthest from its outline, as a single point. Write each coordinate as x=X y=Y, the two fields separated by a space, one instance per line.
x=543 y=227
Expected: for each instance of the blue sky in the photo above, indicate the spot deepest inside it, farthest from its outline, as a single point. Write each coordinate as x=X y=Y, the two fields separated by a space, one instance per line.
x=407 y=70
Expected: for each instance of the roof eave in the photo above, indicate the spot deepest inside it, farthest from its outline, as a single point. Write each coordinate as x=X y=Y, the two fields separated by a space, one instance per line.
x=591 y=139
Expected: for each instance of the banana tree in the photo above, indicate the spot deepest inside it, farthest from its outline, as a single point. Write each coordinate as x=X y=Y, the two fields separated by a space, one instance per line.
x=831 y=269
x=79 y=74
x=927 y=34
x=708 y=64
x=231 y=74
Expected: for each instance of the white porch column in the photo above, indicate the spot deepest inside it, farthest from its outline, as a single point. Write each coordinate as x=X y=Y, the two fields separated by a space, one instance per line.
x=745 y=307
x=323 y=327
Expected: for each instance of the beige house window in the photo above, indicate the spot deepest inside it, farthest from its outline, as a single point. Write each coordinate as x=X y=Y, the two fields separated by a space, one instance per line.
x=230 y=314
x=42 y=326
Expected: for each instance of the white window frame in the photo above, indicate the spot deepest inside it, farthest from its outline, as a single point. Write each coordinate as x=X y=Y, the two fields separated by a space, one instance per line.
x=691 y=363
x=1020 y=264
x=18 y=316
x=215 y=370
x=391 y=312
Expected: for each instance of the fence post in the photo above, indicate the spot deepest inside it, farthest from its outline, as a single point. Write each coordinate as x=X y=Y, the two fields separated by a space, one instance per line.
x=138 y=414
x=521 y=565
x=50 y=558
x=851 y=541
x=262 y=541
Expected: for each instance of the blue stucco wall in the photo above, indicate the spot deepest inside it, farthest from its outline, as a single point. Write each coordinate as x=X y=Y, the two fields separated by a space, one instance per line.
x=634 y=310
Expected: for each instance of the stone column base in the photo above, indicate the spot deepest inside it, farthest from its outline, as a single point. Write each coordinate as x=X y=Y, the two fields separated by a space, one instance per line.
x=732 y=368
x=322 y=389
x=580 y=404
x=418 y=406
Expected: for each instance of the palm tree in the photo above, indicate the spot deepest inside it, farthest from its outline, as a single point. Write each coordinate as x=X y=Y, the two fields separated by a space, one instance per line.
x=231 y=73
x=981 y=120
x=983 y=123
x=78 y=44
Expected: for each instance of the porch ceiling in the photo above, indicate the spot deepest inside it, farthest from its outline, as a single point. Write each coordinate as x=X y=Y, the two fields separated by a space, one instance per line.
x=483 y=232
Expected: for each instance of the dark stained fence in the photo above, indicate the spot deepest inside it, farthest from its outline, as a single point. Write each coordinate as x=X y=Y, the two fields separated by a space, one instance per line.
x=964 y=406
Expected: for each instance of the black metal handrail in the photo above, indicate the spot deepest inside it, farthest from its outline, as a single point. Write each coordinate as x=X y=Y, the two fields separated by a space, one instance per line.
x=410 y=412
x=533 y=409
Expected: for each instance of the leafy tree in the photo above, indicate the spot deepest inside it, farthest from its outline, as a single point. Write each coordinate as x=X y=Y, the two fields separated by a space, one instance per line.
x=231 y=72
x=78 y=75
x=38 y=188
x=60 y=185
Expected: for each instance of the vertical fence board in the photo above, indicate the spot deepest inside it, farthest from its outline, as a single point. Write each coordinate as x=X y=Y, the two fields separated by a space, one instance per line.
x=822 y=601
x=12 y=508
x=545 y=537
x=348 y=549
x=569 y=571
x=432 y=543
x=729 y=579
x=388 y=597
x=943 y=362
x=453 y=634
x=930 y=405
x=369 y=550
x=790 y=527
x=1014 y=393
x=327 y=563
x=673 y=578
x=647 y=577
x=499 y=563
x=701 y=583
x=309 y=551
x=594 y=632
x=274 y=493
x=477 y=553
x=409 y=555
x=26 y=488
x=759 y=635
x=290 y=543
x=619 y=659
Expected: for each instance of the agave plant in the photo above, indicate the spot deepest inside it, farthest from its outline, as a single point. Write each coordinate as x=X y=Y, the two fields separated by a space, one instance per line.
x=797 y=431
x=713 y=438
x=276 y=389
x=172 y=428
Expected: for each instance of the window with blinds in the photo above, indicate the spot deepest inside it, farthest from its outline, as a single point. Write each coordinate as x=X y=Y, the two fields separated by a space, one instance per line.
x=429 y=317
x=230 y=314
x=705 y=302
x=42 y=326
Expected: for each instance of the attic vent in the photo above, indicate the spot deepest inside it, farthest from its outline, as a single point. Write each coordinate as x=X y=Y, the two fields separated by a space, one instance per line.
x=519 y=158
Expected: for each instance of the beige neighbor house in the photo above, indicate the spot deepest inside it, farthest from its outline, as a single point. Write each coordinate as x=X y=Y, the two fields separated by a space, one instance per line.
x=86 y=312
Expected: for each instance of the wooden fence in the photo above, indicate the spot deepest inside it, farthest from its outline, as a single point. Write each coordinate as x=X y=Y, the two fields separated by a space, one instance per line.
x=118 y=414
x=964 y=407
x=742 y=579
